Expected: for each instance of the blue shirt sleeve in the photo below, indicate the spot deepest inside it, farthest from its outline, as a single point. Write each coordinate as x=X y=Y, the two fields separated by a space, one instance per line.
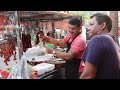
x=94 y=51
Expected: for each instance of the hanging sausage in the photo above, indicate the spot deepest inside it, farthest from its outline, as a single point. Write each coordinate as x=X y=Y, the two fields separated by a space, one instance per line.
x=26 y=40
x=37 y=38
x=8 y=44
x=8 y=50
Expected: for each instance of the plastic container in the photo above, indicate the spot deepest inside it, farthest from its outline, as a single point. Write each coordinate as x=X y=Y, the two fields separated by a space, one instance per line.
x=49 y=45
x=43 y=67
x=5 y=74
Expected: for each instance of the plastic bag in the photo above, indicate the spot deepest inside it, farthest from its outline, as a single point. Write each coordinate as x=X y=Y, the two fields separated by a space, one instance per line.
x=35 y=51
x=22 y=70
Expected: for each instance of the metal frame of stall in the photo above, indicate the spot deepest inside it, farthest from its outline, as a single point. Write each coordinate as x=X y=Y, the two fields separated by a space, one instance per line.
x=55 y=73
x=34 y=17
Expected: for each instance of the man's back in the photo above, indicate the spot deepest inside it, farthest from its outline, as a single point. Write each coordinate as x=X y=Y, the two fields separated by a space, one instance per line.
x=102 y=53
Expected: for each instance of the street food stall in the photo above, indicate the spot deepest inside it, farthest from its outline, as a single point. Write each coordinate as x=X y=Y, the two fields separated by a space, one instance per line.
x=18 y=31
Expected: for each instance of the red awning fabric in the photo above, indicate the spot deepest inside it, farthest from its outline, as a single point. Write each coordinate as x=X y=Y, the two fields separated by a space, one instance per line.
x=61 y=25
x=64 y=25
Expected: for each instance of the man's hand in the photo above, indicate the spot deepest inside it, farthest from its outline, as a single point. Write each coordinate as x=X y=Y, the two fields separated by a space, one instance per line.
x=45 y=39
x=49 y=50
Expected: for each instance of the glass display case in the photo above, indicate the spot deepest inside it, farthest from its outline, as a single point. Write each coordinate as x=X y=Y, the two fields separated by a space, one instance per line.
x=18 y=33
x=13 y=24
x=10 y=41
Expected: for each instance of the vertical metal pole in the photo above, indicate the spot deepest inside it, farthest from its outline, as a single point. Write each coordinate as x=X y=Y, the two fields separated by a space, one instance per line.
x=19 y=41
x=114 y=31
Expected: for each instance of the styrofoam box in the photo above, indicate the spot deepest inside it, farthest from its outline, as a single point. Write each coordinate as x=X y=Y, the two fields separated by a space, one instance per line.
x=43 y=67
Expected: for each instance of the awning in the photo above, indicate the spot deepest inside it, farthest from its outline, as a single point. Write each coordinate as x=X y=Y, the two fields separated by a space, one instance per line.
x=44 y=15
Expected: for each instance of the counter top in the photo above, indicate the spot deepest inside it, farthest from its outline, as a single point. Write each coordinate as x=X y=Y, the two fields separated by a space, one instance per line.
x=57 y=73
x=54 y=74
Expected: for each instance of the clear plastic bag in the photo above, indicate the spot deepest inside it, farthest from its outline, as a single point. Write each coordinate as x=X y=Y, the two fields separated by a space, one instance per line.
x=22 y=70
x=35 y=51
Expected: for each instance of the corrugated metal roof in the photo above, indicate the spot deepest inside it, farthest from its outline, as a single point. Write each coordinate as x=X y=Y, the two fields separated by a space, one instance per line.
x=48 y=15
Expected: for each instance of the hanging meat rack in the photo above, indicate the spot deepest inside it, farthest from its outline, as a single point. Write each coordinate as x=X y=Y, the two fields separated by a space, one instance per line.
x=43 y=16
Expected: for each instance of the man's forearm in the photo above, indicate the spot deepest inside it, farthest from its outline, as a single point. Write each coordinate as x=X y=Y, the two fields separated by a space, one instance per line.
x=53 y=41
x=86 y=76
x=63 y=55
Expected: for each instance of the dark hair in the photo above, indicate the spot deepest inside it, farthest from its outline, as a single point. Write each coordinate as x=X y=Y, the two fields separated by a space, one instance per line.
x=101 y=17
x=75 y=21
